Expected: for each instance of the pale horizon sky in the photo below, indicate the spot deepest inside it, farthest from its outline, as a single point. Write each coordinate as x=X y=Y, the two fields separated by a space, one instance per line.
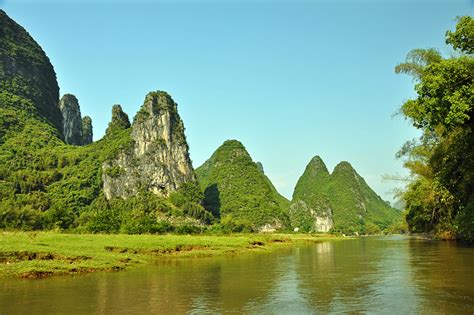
x=289 y=79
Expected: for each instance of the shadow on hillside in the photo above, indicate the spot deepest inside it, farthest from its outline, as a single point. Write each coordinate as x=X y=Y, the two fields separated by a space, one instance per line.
x=212 y=201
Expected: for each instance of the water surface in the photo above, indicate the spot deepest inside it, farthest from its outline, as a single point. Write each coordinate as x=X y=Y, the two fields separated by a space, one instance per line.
x=369 y=275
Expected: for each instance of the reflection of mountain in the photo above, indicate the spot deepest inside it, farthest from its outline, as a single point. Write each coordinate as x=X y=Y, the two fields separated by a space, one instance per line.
x=393 y=277
x=334 y=274
x=285 y=294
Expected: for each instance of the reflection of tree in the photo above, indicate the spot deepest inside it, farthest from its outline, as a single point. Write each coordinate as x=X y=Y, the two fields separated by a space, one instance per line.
x=444 y=273
x=185 y=285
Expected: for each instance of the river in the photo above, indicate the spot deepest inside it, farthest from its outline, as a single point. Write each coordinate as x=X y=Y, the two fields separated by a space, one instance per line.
x=393 y=274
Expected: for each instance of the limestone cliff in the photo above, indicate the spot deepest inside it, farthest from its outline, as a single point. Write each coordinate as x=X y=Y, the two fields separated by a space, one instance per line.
x=72 y=121
x=86 y=130
x=157 y=159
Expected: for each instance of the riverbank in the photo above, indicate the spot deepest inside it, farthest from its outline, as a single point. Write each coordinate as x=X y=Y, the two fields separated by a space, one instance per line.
x=44 y=254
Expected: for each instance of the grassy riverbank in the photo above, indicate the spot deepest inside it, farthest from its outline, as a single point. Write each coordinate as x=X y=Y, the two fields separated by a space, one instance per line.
x=43 y=254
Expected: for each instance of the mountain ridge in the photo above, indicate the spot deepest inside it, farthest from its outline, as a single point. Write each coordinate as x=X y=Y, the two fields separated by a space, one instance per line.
x=340 y=201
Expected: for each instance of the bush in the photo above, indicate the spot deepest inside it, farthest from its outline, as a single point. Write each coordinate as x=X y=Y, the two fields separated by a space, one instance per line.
x=230 y=225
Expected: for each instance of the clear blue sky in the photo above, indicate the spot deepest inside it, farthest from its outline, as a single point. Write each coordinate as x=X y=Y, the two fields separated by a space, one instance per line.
x=289 y=79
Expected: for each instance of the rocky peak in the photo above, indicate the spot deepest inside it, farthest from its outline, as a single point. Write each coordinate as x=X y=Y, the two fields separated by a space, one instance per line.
x=119 y=120
x=72 y=121
x=158 y=122
x=260 y=167
x=158 y=160
x=86 y=130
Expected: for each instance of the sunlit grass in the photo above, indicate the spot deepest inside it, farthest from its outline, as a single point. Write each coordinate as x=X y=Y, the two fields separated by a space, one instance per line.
x=41 y=254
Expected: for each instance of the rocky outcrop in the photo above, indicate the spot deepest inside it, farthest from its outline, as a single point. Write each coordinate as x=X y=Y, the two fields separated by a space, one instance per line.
x=86 y=130
x=119 y=120
x=315 y=218
x=157 y=159
x=26 y=71
x=72 y=121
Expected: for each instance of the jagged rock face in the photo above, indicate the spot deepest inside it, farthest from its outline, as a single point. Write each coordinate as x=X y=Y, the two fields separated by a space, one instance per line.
x=119 y=120
x=308 y=219
x=24 y=64
x=158 y=161
x=86 y=130
x=72 y=121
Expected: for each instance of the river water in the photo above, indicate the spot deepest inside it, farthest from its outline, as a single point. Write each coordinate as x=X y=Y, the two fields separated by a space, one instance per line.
x=395 y=275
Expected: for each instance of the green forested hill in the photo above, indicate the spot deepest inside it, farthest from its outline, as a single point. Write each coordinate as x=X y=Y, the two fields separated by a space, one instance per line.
x=235 y=188
x=25 y=71
x=354 y=206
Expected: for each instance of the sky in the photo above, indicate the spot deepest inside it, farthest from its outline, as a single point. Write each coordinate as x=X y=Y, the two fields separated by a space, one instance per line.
x=289 y=79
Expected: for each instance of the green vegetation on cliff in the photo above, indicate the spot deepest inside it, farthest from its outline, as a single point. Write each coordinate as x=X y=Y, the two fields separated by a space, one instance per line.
x=345 y=195
x=120 y=120
x=47 y=184
x=237 y=191
x=25 y=71
x=440 y=198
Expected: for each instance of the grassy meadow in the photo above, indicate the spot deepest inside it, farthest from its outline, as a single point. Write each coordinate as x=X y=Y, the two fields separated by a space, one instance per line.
x=43 y=254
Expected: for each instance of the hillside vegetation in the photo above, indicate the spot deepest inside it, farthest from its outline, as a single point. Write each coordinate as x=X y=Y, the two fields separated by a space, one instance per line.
x=342 y=197
x=237 y=190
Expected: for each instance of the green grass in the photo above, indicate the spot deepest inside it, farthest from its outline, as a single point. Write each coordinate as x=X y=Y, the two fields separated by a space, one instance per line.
x=42 y=254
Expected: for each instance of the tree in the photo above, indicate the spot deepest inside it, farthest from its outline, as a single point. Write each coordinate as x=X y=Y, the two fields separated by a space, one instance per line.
x=442 y=159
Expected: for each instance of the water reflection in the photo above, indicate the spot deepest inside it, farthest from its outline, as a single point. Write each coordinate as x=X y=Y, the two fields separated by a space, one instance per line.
x=374 y=275
x=445 y=272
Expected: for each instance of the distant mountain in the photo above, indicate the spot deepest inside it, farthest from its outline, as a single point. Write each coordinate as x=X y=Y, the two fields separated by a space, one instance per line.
x=341 y=201
x=236 y=187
